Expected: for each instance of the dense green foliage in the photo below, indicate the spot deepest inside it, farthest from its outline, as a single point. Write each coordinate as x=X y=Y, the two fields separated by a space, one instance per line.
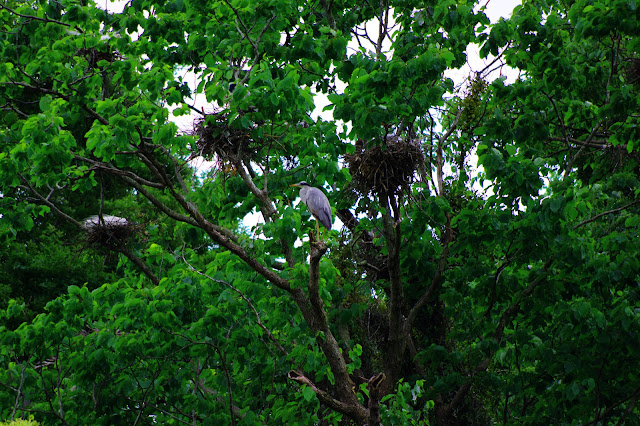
x=438 y=302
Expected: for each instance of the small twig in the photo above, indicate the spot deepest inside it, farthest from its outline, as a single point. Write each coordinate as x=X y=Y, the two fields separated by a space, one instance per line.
x=243 y=297
x=49 y=203
x=599 y=215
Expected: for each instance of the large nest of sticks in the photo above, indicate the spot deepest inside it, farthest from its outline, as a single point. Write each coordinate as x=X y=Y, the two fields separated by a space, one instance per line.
x=217 y=138
x=110 y=232
x=384 y=169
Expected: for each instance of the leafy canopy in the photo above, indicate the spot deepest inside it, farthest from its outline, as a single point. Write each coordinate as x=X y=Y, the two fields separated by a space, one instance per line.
x=437 y=302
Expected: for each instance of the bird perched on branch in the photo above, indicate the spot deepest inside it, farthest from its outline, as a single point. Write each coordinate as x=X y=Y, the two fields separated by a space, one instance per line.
x=317 y=203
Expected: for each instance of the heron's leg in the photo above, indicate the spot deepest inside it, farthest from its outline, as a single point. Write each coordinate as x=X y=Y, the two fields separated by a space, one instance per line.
x=317 y=229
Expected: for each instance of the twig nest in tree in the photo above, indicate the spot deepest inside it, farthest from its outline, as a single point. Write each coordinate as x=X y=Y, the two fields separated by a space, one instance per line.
x=217 y=138
x=110 y=232
x=387 y=168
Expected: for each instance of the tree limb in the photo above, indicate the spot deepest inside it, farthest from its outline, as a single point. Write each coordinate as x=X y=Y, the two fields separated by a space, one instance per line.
x=37 y=18
x=320 y=323
x=139 y=263
x=358 y=413
x=397 y=342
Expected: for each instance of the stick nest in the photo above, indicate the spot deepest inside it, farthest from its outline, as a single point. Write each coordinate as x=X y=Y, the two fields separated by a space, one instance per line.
x=217 y=138
x=388 y=168
x=111 y=233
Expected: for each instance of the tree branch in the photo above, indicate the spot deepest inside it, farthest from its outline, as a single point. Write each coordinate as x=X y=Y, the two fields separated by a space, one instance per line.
x=435 y=281
x=247 y=300
x=49 y=203
x=397 y=341
x=138 y=262
x=358 y=413
x=219 y=237
x=267 y=208
x=320 y=323
x=37 y=18
x=584 y=145
x=507 y=316
x=439 y=156
x=328 y=14
x=99 y=165
x=599 y=215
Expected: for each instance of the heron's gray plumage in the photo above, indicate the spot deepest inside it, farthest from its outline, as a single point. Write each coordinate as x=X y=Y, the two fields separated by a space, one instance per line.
x=317 y=203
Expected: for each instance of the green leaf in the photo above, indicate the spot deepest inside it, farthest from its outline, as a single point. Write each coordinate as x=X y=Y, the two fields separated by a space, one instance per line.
x=308 y=393
x=556 y=203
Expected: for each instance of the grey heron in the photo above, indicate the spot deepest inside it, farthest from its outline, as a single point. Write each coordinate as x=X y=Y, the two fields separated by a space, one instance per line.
x=317 y=203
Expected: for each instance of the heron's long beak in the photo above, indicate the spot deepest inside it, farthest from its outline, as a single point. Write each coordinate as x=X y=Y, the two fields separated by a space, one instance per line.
x=295 y=184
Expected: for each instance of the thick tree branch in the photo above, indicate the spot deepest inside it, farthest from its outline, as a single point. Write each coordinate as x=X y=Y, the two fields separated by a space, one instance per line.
x=37 y=18
x=357 y=413
x=267 y=208
x=222 y=239
x=397 y=342
x=375 y=387
x=320 y=323
x=138 y=262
